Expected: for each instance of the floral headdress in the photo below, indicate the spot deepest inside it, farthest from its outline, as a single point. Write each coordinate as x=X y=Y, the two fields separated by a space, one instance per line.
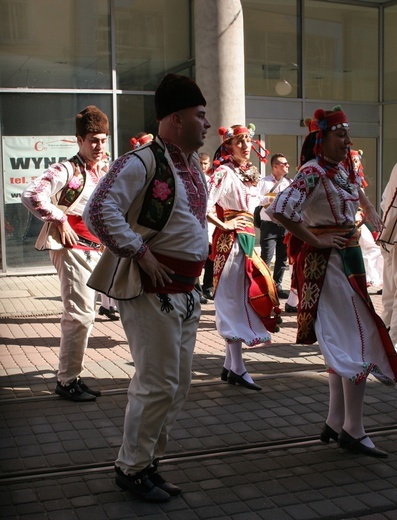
x=140 y=140
x=248 y=172
x=233 y=131
x=322 y=122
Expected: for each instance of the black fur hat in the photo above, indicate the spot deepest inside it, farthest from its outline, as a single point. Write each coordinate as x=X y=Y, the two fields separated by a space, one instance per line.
x=91 y=119
x=176 y=92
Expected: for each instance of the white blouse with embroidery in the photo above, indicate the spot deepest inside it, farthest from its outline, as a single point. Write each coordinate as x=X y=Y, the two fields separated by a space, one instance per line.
x=228 y=191
x=318 y=199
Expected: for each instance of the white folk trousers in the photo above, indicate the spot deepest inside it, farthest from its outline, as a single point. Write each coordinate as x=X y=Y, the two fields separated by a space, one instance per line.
x=74 y=267
x=161 y=341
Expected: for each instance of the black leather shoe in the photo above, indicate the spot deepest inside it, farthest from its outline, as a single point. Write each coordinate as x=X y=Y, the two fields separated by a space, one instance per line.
x=85 y=388
x=73 y=392
x=328 y=433
x=283 y=295
x=141 y=486
x=109 y=313
x=224 y=374
x=290 y=308
x=233 y=378
x=203 y=300
x=208 y=294
x=347 y=442
x=156 y=479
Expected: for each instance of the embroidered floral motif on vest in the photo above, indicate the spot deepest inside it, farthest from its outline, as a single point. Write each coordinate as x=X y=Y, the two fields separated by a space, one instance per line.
x=160 y=194
x=74 y=186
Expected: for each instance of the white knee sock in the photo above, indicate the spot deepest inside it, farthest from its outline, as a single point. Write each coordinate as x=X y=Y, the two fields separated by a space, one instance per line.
x=336 y=409
x=354 y=399
x=237 y=363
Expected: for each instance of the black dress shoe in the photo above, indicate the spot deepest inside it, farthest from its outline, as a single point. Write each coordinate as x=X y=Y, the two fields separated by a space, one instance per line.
x=290 y=308
x=73 y=392
x=348 y=442
x=282 y=294
x=224 y=374
x=208 y=294
x=233 y=378
x=85 y=388
x=328 y=433
x=156 y=479
x=203 y=300
x=109 y=313
x=141 y=486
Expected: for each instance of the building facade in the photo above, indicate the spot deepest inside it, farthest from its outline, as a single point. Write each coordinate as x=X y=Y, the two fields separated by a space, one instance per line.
x=269 y=62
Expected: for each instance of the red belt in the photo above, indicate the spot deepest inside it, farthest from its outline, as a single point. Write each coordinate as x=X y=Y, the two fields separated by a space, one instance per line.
x=184 y=277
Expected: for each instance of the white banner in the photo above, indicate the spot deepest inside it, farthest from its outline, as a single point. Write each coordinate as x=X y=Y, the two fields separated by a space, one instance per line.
x=25 y=158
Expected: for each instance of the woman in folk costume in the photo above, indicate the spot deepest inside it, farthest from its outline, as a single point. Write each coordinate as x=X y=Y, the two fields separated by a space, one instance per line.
x=372 y=256
x=319 y=209
x=244 y=292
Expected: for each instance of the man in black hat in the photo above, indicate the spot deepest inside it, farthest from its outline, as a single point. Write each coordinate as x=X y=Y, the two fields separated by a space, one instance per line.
x=150 y=211
x=57 y=198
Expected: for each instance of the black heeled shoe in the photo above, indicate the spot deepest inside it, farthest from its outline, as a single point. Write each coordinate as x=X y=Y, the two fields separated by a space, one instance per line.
x=347 y=442
x=328 y=433
x=233 y=378
x=224 y=374
x=109 y=313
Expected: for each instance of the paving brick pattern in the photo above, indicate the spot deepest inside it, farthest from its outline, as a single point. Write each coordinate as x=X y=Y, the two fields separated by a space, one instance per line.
x=232 y=451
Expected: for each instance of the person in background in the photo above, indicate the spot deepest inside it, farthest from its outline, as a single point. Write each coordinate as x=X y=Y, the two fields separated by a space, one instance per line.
x=373 y=260
x=205 y=161
x=319 y=209
x=245 y=294
x=150 y=213
x=388 y=242
x=207 y=285
x=58 y=197
x=272 y=234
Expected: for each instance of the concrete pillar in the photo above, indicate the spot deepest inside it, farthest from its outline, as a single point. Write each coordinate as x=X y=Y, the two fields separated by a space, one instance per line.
x=219 y=42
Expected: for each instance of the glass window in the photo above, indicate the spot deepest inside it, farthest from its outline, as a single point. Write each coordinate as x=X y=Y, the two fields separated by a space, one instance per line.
x=135 y=114
x=55 y=44
x=341 y=51
x=271 y=47
x=152 y=38
x=34 y=115
x=390 y=55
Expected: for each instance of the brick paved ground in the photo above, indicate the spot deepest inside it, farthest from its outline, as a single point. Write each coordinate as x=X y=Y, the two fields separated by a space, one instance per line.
x=235 y=453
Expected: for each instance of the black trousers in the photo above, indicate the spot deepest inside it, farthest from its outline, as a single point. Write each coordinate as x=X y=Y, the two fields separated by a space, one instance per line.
x=208 y=273
x=272 y=241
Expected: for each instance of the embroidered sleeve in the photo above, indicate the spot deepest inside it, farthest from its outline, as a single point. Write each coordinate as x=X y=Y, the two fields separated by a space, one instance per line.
x=37 y=196
x=216 y=187
x=141 y=252
x=106 y=212
x=289 y=201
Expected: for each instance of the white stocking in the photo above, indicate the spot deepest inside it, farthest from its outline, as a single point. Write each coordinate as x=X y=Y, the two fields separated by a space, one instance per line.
x=237 y=363
x=354 y=399
x=228 y=359
x=336 y=409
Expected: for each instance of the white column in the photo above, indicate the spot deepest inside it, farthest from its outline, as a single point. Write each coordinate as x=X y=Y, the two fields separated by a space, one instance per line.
x=219 y=41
